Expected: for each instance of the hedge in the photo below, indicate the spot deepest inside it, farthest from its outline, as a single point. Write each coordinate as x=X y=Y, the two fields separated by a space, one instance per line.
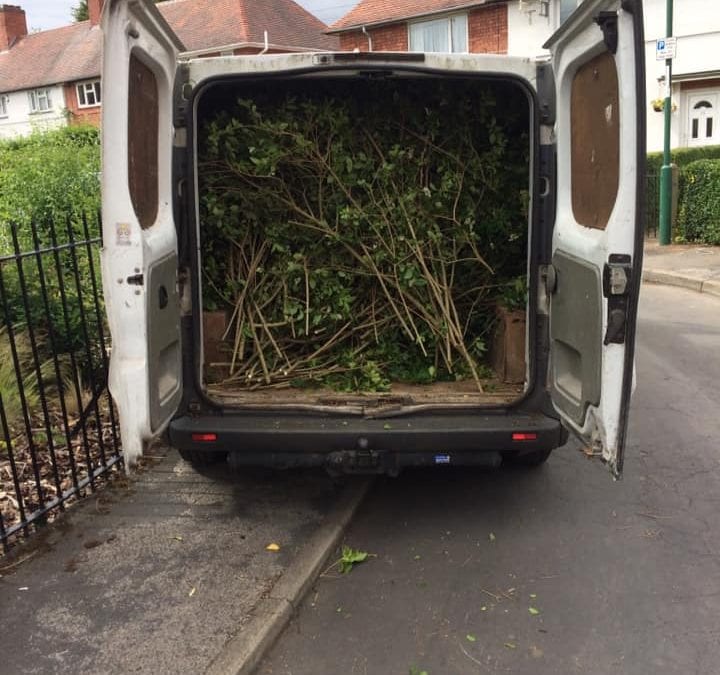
x=49 y=177
x=682 y=157
x=699 y=209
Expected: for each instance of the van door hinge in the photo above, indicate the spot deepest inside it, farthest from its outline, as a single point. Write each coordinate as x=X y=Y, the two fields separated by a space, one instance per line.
x=608 y=22
x=546 y=93
x=182 y=91
x=548 y=274
x=617 y=277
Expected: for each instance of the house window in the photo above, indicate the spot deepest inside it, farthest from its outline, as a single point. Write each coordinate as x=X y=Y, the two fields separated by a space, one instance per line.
x=39 y=100
x=3 y=105
x=88 y=94
x=567 y=7
x=449 y=34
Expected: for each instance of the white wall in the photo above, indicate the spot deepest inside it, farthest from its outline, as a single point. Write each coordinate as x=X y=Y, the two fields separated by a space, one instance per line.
x=696 y=24
x=21 y=122
x=527 y=30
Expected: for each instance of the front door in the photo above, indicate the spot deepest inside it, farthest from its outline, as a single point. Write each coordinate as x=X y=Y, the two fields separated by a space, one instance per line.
x=703 y=118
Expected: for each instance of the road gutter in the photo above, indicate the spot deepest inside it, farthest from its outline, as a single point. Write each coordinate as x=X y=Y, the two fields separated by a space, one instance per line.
x=710 y=286
x=243 y=652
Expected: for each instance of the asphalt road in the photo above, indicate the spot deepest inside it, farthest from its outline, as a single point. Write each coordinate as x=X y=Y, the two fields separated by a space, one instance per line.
x=622 y=577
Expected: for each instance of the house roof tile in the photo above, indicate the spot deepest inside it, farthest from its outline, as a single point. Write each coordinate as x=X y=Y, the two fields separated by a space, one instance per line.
x=373 y=12
x=74 y=52
x=202 y=23
x=52 y=56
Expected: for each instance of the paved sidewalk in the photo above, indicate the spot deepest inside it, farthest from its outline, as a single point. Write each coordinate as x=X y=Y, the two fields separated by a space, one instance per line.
x=169 y=572
x=688 y=266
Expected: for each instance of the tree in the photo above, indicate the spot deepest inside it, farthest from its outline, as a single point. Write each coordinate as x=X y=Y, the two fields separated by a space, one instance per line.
x=80 y=11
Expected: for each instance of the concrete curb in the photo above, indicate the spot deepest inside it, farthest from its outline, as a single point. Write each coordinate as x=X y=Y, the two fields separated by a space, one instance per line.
x=243 y=652
x=671 y=279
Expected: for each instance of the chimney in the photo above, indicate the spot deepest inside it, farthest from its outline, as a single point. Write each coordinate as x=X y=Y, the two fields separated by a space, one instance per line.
x=12 y=26
x=95 y=11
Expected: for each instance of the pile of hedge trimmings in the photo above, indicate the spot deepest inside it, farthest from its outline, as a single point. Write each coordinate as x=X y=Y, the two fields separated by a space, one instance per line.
x=360 y=233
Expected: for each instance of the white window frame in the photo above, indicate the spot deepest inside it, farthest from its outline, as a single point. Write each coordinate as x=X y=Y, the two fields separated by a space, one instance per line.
x=4 y=100
x=40 y=100
x=87 y=90
x=448 y=18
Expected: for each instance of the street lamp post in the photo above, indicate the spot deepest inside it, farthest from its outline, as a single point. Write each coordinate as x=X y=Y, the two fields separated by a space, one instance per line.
x=666 y=171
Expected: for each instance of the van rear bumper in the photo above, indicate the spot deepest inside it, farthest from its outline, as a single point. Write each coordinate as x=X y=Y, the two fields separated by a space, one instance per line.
x=303 y=440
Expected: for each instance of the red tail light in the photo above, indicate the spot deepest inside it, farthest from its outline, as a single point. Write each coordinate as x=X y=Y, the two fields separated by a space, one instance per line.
x=204 y=438
x=524 y=437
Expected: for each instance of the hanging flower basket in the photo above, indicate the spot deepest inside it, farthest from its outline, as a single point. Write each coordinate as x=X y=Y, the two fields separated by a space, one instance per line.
x=658 y=105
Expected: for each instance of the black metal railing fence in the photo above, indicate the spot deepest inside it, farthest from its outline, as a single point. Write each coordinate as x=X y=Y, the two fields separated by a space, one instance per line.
x=58 y=429
x=652 y=205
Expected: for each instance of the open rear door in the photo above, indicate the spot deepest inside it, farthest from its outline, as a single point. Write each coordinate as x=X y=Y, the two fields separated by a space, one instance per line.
x=594 y=280
x=139 y=257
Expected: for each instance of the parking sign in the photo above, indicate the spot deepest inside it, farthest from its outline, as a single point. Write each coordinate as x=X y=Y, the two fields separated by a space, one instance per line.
x=665 y=48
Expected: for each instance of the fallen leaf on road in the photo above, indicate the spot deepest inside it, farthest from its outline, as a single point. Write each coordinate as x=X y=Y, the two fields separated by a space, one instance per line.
x=272 y=547
x=470 y=638
x=510 y=645
x=177 y=537
x=533 y=611
x=192 y=592
x=350 y=557
x=491 y=537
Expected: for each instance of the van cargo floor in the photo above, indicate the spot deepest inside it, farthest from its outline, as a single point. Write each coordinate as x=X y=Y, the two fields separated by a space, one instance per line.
x=438 y=393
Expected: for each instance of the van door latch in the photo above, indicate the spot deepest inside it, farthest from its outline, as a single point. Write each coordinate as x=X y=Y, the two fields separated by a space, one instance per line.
x=136 y=280
x=617 y=277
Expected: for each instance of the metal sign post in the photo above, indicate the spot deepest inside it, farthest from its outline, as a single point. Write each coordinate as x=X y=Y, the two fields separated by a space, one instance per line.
x=666 y=49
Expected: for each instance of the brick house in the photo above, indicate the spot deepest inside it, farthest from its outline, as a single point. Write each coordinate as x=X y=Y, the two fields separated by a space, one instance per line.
x=479 y=26
x=516 y=27
x=52 y=78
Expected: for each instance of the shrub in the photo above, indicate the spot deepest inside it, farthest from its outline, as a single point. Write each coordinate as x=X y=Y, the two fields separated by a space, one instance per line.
x=699 y=212
x=49 y=177
x=682 y=157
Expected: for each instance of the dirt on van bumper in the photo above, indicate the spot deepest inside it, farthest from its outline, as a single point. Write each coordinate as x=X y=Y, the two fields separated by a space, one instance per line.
x=171 y=571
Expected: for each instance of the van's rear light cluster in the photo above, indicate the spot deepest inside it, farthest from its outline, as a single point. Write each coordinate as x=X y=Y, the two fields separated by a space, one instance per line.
x=204 y=438
x=524 y=437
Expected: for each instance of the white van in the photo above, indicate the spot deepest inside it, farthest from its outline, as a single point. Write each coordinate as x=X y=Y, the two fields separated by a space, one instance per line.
x=585 y=133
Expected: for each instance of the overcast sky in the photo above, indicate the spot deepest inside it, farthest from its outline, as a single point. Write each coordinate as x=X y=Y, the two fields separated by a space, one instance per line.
x=44 y=14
